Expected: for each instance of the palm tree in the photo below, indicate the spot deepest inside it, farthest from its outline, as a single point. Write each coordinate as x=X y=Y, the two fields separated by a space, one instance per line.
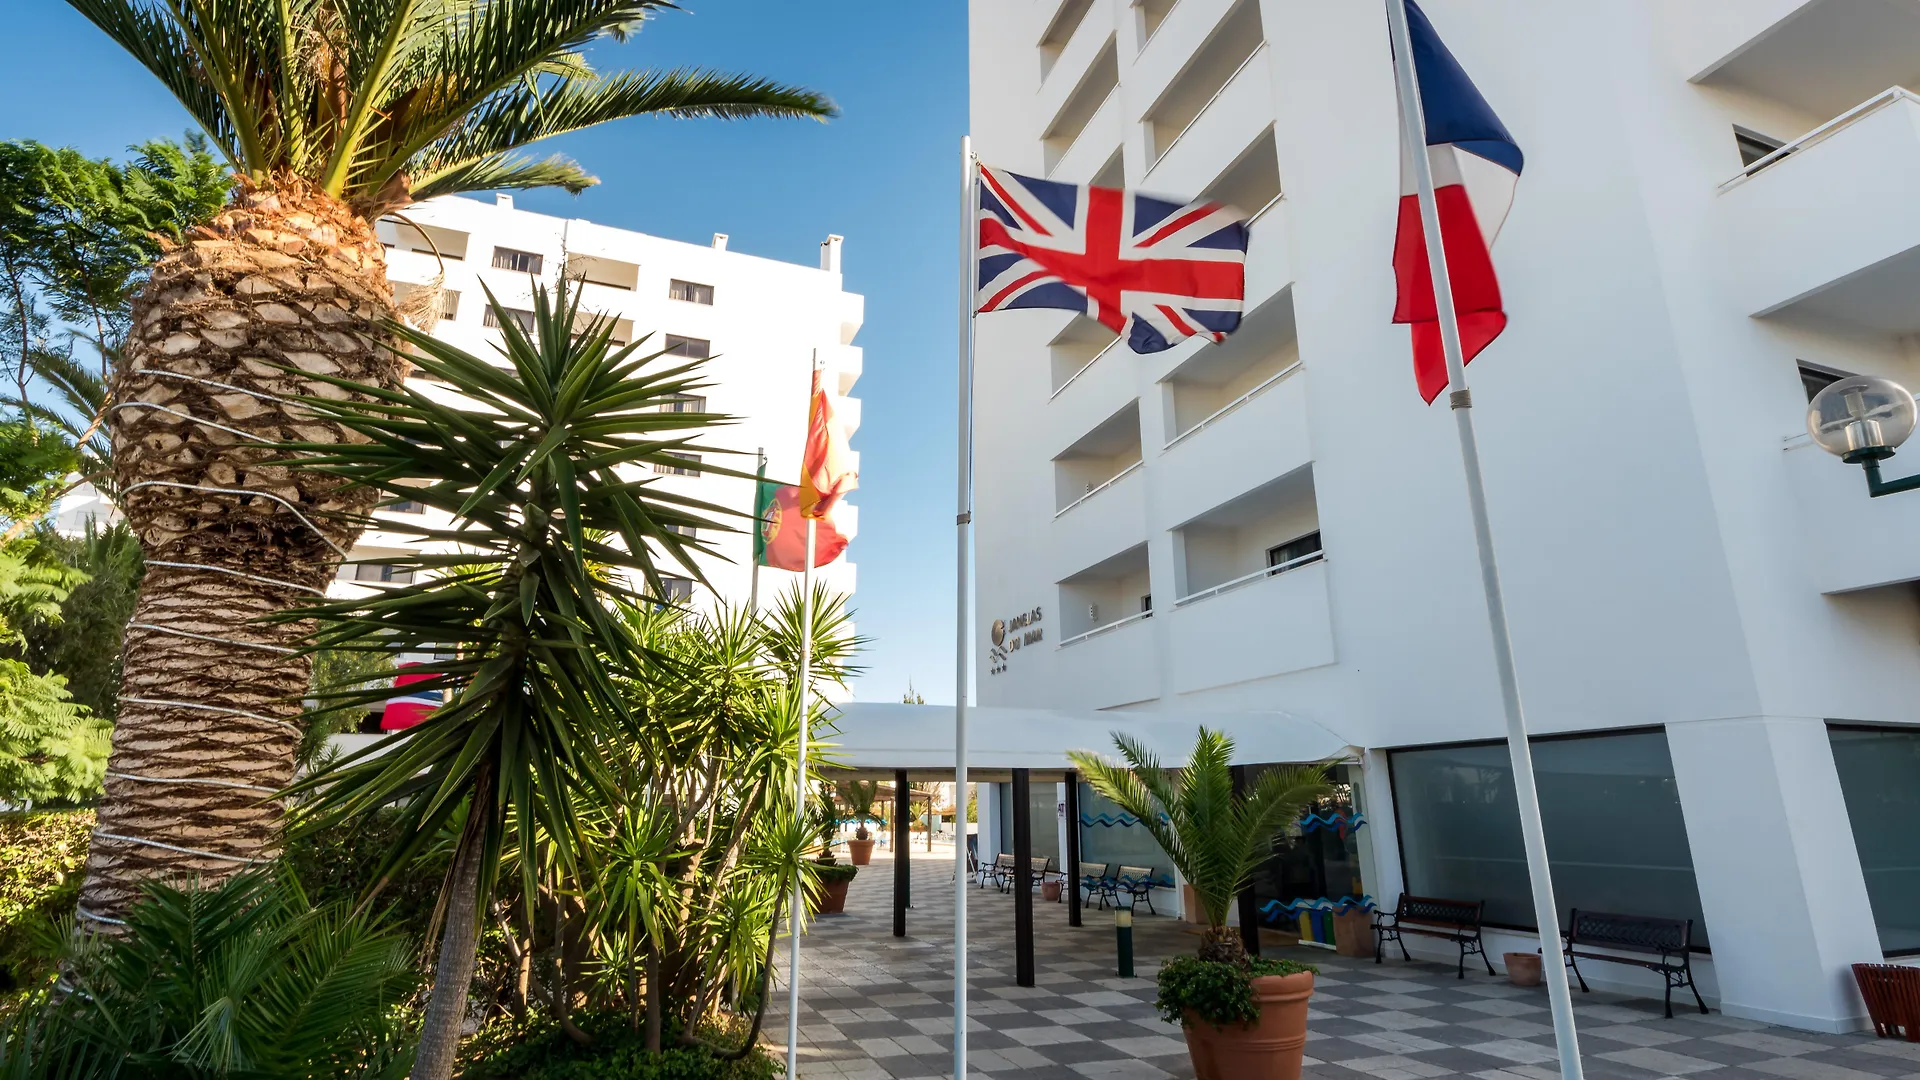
x=332 y=113
x=1214 y=837
x=528 y=463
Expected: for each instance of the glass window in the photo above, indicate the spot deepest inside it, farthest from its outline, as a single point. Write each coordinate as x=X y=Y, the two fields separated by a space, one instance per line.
x=1814 y=380
x=1615 y=836
x=690 y=469
x=684 y=403
x=386 y=572
x=690 y=291
x=697 y=348
x=1294 y=552
x=678 y=590
x=522 y=262
x=1880 y=782
x=524 y=318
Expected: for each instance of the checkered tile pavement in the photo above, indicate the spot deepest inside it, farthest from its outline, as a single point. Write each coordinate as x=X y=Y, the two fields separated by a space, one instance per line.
x=878 y=1007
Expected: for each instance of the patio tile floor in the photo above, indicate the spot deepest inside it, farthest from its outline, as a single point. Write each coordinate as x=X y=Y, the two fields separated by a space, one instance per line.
x=878 y=1007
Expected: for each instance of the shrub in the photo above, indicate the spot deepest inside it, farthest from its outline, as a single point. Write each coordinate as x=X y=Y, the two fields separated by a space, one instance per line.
x=41 y=856
x=1218 y=991
x=828 y=873
x=505 y=1052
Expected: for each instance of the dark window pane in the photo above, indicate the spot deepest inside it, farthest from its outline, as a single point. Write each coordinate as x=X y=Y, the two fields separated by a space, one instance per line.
x=1615 y=835
x=1814 y=380
x=1297 y=549
x=685 y=403
x=1880 y=783
x=524 y=318
x=696 y=348
x=1753 y=146
x=523 y=262
x=691 y=292
x=690 y=469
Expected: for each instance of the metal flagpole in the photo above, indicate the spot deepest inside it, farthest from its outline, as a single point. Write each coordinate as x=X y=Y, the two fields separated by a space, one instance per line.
x=963 y=523
x=1546 y=914
x=760 y=527
x=800 y=777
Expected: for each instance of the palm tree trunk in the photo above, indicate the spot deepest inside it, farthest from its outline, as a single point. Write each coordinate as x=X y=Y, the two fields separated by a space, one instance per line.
x=459 y=941
x=283 y=284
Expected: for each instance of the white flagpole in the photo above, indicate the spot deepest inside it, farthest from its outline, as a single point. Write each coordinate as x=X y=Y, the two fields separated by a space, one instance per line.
x=962 y=667
x=1546 y=914
x=800 y=778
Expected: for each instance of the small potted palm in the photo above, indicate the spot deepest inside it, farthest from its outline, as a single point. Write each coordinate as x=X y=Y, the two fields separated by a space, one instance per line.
x=859 y=795
x=832 y=877
x=1245 y=1017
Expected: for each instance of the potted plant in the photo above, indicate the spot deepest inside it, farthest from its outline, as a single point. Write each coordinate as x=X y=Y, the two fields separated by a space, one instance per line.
x=859 y=796
x=831 y=876
x=1245 y=1018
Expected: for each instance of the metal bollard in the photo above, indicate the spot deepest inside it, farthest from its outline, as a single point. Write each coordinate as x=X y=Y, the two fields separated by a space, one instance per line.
x=1123 y=939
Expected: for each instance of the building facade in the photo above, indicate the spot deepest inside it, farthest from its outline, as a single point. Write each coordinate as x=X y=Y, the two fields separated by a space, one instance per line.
x=761 y=323
x=1717 y=631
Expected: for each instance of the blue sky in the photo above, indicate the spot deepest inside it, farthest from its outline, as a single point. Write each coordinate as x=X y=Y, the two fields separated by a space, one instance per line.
x=882 y=176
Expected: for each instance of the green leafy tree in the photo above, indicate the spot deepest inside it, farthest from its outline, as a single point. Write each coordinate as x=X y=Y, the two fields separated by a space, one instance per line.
x=1214 y=837
x=83 y=645
x=333 y=115
x=528 y=461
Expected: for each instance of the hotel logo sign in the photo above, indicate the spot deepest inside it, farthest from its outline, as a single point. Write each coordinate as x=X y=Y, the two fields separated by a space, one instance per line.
x=1009 y=636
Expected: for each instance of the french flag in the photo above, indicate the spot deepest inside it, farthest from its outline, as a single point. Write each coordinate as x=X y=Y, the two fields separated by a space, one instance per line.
x=1476 y=165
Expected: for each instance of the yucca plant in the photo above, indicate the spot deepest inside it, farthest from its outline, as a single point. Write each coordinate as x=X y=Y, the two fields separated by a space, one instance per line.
x=531 y=462
x=1214 y=837
x=247 y=980
x=331 y=114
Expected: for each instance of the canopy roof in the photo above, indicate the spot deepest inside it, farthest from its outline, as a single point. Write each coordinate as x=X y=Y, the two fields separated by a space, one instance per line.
x=886 y=736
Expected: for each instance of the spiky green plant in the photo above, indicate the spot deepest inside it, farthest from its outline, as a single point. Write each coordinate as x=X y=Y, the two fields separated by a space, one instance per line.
x=531 y=462
x=1214 y=837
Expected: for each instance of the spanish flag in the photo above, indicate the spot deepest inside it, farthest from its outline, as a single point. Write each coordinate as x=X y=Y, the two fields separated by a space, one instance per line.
x=826 y=466
x=780 y=540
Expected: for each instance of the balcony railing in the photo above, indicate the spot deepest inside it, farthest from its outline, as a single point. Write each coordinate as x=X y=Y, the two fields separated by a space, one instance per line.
x=1083 y=367
x=1248 y=579
x=1108 y=628
x=1109 y=482
x=1892 y=95
x=1232 y=405
x=1161 y=152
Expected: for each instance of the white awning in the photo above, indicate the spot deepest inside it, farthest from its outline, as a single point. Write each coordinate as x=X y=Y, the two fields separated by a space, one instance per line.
x=887 y=736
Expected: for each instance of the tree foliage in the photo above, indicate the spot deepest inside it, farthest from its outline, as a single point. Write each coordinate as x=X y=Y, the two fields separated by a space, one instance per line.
x=83 y=645
x=383 y=104
x=1213 y=835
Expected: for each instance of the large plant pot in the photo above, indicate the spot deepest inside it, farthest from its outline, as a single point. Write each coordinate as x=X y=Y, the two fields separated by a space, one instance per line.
x=860 y=850
x=833 y=898
x=1353 y=933
x=1270 y=1048
x=1523 y=968
x=1050 y=891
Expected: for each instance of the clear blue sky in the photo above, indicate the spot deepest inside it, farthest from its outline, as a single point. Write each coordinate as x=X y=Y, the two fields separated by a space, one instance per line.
x=882 y=176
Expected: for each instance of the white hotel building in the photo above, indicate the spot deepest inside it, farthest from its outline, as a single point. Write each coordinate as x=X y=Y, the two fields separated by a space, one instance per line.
x=761 y=321
x=1717 y=629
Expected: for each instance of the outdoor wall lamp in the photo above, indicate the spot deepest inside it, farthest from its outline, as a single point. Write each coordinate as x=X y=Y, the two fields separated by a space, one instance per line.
x=1861 y=420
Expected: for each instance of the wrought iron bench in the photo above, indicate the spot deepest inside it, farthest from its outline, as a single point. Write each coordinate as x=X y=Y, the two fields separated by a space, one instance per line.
x=1457 y=921
x=1096 y=880
x=1663 y=945
x=1041 y=869
x=1000 y=873
x=1137 y=883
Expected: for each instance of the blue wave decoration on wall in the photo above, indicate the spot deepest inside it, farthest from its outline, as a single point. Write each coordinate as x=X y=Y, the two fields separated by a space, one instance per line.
x=1338 y=822
x=1273 y=908
x=1123 y=819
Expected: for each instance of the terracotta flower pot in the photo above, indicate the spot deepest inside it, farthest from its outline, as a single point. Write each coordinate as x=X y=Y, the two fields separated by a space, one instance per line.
x=1523 y=968
x=1050 y=891
x=860 y=850
x=833 y=897
x=1270 y=1048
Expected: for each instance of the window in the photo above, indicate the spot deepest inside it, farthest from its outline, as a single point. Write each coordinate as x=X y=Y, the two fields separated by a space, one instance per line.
x=697 y=348
x=1146 y=604
x=1815 y=379
x=524 y=318
x=1753 y=145
x=685 y=403
x=405 y=506
x=386 y=572
x=679 y=470
x=676 y=590
x=1614 y=831
x=1293 y=553
x=1880 y=783
x=520 y=262
x=691 y=292
x=685 y=532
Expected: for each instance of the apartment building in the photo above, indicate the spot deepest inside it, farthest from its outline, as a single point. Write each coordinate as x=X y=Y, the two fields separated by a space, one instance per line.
x=761 y=324
x=1717 y=631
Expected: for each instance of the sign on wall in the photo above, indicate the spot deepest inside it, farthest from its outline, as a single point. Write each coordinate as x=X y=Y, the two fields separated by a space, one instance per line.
x=1010 y=636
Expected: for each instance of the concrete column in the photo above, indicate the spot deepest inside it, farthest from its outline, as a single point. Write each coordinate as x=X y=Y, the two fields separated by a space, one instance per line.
x=902 y=871
x=1780 y=881
x=987 y=797
x=1379 y=840
x=1070 y=846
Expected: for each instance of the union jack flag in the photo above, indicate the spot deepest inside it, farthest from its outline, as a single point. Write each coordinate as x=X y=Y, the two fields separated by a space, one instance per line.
x=1173 y=271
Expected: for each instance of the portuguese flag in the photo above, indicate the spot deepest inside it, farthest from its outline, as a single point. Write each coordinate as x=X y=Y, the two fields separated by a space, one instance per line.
x=781 y=539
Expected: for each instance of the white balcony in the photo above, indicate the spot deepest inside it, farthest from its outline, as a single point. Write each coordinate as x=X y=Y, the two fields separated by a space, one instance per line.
x=1094 y=146
x=1853 y=541
x=1114 y=665
x=1256 y=439
x=1102 y=523
x=1175 y=40
x=1070 y=43
x=1235 y=116
x=1268 y=624
x=1819 y=56
x=1829 y=225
